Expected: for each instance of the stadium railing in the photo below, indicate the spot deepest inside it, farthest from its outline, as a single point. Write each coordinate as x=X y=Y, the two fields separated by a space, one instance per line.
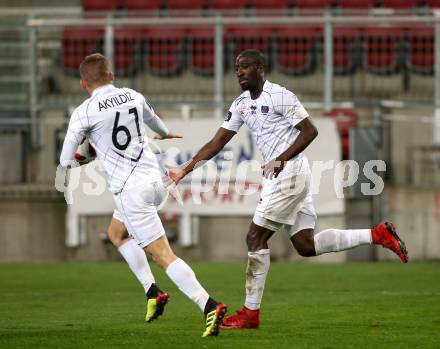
x=325 y=59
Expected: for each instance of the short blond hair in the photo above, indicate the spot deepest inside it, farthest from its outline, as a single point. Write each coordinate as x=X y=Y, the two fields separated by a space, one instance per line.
x=95 y=69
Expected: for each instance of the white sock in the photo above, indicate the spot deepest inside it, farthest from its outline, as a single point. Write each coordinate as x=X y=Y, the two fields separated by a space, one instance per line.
x=136 y=258
x=185 y=279
x=256 y=272
x=334 y=240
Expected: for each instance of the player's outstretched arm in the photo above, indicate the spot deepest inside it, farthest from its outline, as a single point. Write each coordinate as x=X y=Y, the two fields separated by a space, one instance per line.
x=208 y=151
x=308 y=133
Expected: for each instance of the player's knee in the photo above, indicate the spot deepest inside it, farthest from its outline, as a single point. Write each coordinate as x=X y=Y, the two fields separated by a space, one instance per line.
x=114 y=238
x=163 y=258
x=253 y=242
x=117 y=238
x=304 y=245
x=306 y=250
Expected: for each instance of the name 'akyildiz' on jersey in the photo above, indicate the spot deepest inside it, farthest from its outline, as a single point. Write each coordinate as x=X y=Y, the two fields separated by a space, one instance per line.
x=115 y=101
x=116 y=116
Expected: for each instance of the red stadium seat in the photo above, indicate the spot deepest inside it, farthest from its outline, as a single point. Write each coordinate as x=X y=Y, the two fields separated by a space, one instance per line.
x=228 y=4
x=314 y=4
x=346 y=119
x=273 y=4
x=185 y=4
x=100 y=5
x=356 y=4
x=79 y=42
x=346 y=47
x=421 y=50
x=165 y=50
x=202 y=50
x=383 y=50
x=433 y=3
x=296 y=49
x=128 y=54
x=275 y=7
x=241 y=38
x=142 y=5
x=400 y=4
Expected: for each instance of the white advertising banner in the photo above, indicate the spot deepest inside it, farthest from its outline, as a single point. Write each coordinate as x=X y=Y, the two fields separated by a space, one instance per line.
x=230 y=183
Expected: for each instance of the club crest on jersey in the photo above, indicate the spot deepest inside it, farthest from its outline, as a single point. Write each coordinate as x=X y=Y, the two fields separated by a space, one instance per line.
x=264 y=109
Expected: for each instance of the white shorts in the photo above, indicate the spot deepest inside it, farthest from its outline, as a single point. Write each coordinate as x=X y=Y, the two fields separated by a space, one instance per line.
x=303 y=221
x=137 y=209
x=287 y=200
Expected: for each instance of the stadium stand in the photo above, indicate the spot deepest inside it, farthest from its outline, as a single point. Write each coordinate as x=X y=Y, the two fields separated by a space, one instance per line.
x=314 y=4
x=276 y=7
x=129 y=50
x=227 y=4
x=420 y=58
x=274 y=4
x=186 y=8
x=383 y=50
x=346 y=46
x=356 y=4
x=256 y=37
x=165 y=50
x=100 y=5
x=224 y=5
x=400 y=4
x=201 y=43
x=433 y=3
x=185 y=5
x=140 y=5
x=296 y=50
x=79 y=42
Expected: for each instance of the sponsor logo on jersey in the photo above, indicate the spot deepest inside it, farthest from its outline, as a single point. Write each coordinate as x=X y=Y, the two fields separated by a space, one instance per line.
x=253 y=109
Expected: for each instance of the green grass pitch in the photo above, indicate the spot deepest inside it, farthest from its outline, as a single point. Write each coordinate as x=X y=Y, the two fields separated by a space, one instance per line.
x=101 y=305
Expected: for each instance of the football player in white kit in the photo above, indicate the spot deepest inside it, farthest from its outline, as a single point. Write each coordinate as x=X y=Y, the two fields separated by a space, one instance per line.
x=282 y=129
x=112 y=121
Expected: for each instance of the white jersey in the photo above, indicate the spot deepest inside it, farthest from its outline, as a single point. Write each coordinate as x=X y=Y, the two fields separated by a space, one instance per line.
x=113 y=120
x=271 y=118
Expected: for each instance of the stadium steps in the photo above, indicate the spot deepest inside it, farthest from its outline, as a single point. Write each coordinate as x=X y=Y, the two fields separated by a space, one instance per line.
x=14 y=68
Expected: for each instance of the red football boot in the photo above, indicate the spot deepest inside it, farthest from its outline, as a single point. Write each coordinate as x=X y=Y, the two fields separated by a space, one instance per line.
x=243 y=318
x=385 y=234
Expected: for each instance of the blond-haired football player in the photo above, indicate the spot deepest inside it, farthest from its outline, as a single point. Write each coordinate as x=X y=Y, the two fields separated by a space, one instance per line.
x=112 y=119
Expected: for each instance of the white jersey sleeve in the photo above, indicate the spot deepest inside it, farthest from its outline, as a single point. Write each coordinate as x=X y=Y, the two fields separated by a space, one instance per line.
x=288 y=104
x=76 y=132
x=233 y=119
x=152 y=120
